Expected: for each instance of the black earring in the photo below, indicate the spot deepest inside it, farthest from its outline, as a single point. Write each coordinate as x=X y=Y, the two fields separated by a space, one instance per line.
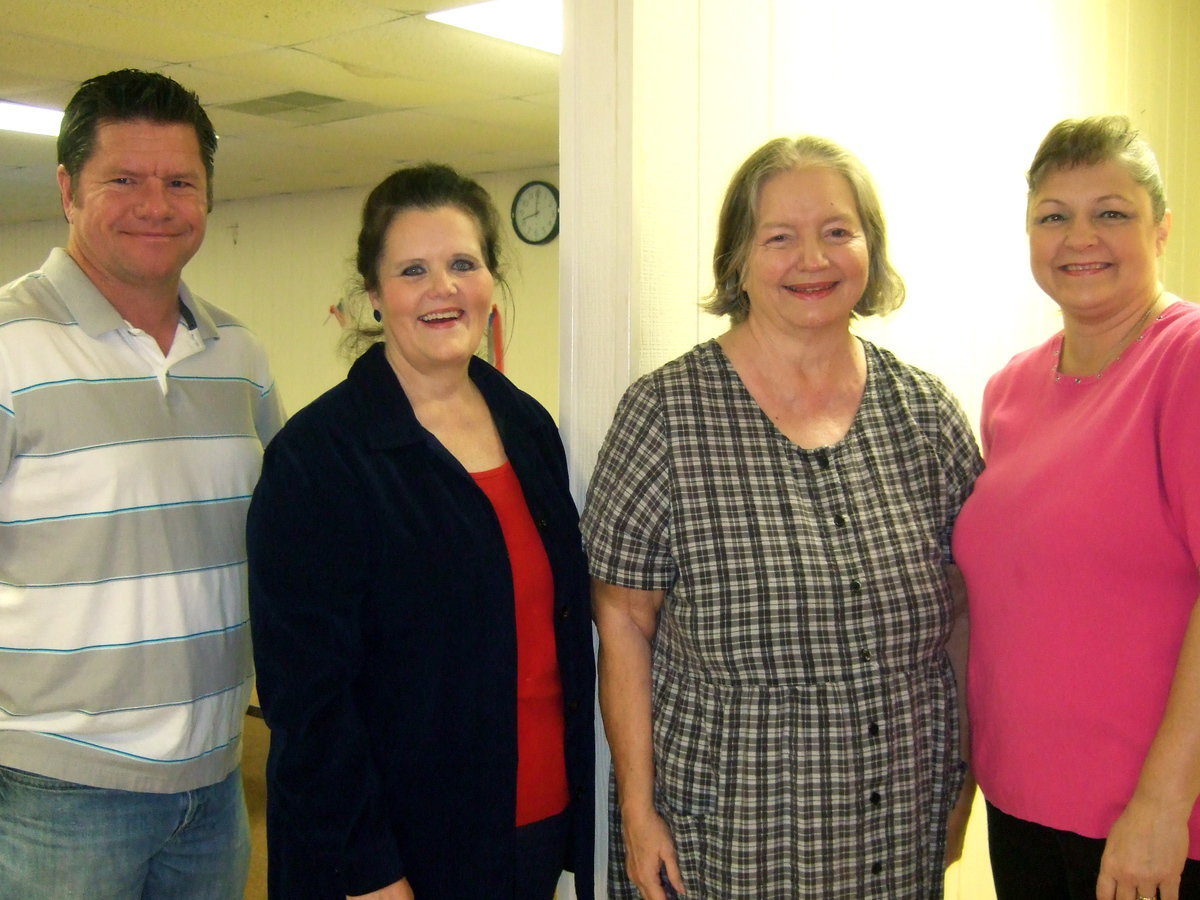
x=378 y=316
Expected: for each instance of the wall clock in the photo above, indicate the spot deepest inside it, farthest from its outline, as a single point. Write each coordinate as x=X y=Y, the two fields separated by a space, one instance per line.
x=535 y=212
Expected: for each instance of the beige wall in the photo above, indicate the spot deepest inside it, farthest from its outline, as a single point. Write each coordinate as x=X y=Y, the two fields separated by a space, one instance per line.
x=279 y=263
x=1142 y=58
x=945 y=102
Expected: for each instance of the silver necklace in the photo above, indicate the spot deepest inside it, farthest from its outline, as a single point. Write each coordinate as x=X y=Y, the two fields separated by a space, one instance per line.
x=1118 y=349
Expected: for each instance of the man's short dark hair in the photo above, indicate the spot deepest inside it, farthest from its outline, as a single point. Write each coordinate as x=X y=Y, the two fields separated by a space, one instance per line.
x=129 y=95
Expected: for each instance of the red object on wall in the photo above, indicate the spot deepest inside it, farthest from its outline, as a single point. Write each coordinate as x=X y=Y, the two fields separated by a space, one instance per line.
x=496 y=338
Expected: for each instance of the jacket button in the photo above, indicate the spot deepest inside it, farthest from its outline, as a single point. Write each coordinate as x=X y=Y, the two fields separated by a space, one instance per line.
x=573 y=706
x=564 y=612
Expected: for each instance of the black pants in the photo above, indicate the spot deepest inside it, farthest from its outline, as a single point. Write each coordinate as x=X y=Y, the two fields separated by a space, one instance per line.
x=541 y=852
x=1030 y=860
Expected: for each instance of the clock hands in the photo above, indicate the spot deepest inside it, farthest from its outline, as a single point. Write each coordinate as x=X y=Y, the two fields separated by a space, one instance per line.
x=537 y=207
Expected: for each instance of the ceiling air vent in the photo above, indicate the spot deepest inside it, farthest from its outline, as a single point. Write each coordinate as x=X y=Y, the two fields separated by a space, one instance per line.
x=302 y=108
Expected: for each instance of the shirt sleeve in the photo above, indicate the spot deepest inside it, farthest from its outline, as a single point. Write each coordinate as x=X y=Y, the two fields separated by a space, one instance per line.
x=8 y=422
x=1178 y=438
x=627 y=518
x=309 y=545
x=269 y=417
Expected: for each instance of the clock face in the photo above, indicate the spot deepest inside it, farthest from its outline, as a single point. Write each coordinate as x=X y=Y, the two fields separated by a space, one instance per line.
x=535 y=213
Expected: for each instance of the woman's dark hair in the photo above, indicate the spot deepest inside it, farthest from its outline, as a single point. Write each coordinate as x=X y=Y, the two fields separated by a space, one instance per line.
x=427 y=186
x=129 y=95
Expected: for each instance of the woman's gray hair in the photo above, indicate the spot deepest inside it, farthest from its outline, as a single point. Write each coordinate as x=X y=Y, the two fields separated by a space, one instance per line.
x=735 y=227
x=1092 y=142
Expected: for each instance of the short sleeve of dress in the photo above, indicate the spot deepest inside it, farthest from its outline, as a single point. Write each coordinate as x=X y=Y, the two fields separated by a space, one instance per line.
x=960 y=460
x=1179 y=436
x=627 y=518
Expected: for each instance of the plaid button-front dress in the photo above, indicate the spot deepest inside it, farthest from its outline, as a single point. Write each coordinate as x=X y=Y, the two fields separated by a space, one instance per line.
x=804 y=708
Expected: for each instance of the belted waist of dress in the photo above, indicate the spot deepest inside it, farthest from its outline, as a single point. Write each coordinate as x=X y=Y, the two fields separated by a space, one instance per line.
x=861 y=671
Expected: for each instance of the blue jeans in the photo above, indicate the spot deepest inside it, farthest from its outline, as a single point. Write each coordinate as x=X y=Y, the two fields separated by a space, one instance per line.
x=61 y=839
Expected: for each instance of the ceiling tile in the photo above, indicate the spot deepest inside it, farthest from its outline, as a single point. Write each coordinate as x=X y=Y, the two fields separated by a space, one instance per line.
x=417 y=48
x=161 y=34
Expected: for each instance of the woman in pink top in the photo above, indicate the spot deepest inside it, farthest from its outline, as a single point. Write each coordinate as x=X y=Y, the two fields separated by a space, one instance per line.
x=1080 y=547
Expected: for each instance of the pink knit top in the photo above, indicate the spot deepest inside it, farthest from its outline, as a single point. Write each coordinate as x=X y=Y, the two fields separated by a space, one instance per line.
x=1080 y=546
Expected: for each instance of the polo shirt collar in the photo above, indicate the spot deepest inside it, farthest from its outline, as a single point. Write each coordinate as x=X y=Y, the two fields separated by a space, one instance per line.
x=95 y=314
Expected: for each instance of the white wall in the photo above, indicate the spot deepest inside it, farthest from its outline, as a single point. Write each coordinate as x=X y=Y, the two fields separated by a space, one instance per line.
x=279 y=263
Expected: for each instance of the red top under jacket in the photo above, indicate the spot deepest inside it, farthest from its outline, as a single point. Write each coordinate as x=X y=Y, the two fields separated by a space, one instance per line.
x=541 y=763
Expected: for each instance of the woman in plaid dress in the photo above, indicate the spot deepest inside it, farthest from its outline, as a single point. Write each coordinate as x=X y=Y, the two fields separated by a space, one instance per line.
x=768 y=529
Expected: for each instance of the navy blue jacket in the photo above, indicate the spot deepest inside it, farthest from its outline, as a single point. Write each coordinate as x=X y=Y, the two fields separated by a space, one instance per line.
x=385 y=641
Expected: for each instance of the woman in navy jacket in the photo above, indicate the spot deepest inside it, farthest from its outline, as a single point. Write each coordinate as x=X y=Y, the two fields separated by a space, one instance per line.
x=382 y=597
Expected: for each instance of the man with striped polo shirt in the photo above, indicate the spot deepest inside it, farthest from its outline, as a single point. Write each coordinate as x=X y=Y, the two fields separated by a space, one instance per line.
x=132 y=420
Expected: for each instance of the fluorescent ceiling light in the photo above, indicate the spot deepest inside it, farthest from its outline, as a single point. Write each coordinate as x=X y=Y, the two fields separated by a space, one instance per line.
x=532 y=23
x=29 y=119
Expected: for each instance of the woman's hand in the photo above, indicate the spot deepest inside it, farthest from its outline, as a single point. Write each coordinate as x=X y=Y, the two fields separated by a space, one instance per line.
x=1144 y=854
x=648 y=849
x=1148 y=844
x=398 y=890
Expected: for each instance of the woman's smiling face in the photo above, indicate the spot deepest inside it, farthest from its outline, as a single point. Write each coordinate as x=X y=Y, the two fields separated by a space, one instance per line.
x=1093 y=242
x=435 y=290
x=808 y=263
